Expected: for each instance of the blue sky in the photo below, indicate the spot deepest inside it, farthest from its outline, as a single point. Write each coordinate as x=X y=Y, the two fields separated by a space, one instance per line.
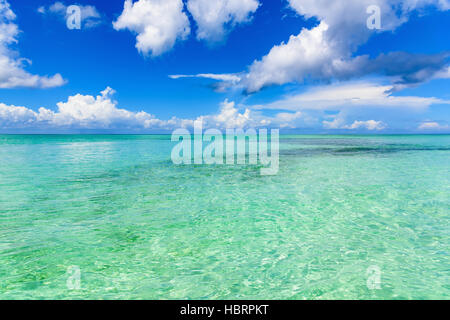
x=299 y=65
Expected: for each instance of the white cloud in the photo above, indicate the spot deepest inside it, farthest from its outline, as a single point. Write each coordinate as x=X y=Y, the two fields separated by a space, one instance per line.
x=339 y=123
x=441 y=4
x=16 y=116
x=90 y=17
x=228 y=117
x=221 y=77
x=348 y=95
x=85 y=112
x=13 y=75
x=12 y=67
x=325 y=51
x=369 y=125
x=215 y=17
x=224 y=82
x=158 y=24
x=97 y=111
x=431 y=125
x=79 y=111
x=287 y=119
x=308 y=54
x=101 y=112
x=443 y=74
x=348 y=19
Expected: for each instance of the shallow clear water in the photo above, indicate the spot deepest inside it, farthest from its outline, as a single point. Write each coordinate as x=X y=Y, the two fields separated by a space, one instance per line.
x=139 y=227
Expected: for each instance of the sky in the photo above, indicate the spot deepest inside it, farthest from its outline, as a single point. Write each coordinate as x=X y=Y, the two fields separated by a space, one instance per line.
x=153 y=66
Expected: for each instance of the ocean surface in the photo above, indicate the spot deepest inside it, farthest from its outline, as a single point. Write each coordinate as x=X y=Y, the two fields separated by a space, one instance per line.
x=347 y=217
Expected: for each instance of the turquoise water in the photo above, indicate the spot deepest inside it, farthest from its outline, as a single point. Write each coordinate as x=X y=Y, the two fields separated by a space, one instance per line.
x=139 y=227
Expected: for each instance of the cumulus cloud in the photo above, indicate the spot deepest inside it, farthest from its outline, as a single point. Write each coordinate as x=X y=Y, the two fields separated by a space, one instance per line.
x=230 y=116
x=157 y=23
x=215 y=18
x=355 y=104
x=12 y=116
x=79 y=111
x=321 y=61
x=432 y=125
x=12 y=67
x=326 y=51
x=338 y=123
x=308 y=54
x=102 y=112
x=90 y=17
x=89 y=111
x=348 y=19
x=348 y=95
